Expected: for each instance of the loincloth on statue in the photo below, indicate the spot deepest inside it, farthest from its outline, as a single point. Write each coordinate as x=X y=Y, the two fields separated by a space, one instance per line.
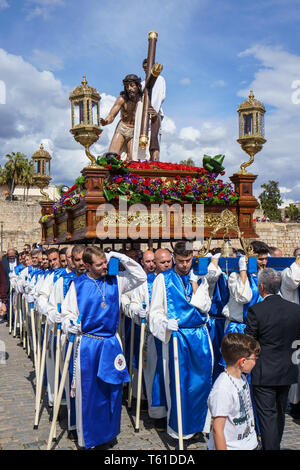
x=125 y=131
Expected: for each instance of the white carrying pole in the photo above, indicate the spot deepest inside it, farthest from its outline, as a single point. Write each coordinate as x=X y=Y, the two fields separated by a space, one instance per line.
x=140 y=375
x=60 y=391
x=130 y=364
x=16 y=314
x=177 y=386
x=10 y=309
x=57 y=364
x=40 y=381
x=34 y=336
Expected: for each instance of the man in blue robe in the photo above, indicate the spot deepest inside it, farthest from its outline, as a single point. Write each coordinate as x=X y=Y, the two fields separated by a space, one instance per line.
x=91 y=310
x=173 y=310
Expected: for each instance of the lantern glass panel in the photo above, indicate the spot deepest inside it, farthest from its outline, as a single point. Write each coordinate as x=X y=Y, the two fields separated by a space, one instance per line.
x=37 y=167
x=95 y=112
x=47 y=168
x=262 y=130
x=248 y=124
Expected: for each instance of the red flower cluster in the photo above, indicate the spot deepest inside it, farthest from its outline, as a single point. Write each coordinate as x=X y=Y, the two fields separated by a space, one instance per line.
x=166 y=166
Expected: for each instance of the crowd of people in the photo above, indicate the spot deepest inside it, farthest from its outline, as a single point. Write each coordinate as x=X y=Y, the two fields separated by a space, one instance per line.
x=231 y=334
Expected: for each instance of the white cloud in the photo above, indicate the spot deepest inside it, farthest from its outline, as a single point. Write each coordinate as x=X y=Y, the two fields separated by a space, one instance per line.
x=218 y=84
x=44 y=60
x=189 y=133
x=3 y=5
x=185 y=81
x=41 y=8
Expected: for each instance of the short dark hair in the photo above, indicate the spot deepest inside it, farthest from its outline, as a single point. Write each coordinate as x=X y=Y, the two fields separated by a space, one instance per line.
x=295 y=251
x=52 y=250
x=63 y=251
x=260 y=248
x=90 y=251
x=77 y=249
x=182 y=248
x=237 y=345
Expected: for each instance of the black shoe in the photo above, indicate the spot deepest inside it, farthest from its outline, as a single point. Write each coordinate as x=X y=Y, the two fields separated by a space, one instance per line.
x=106 y=445
x=295 y=411
x=72 y=435
x=144 y=405
x=160 y=424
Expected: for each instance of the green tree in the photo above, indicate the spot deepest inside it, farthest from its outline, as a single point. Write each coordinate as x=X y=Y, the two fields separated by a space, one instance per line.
x=292 y=212
x=13 y=170
x=270 y=200
x=26 y=177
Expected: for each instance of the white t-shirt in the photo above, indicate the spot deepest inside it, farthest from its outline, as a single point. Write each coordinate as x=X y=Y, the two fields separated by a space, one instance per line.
x=225 y=400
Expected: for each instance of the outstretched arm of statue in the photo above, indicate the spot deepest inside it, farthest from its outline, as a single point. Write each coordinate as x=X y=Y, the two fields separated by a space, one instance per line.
x=113 y=112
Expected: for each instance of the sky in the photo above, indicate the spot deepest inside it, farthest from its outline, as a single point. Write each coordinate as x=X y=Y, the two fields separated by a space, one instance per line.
x=213 y=53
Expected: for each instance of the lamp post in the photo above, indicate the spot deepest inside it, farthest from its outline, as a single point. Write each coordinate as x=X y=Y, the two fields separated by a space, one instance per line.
x=85 y=114
x=251 y=128
x=41 y=170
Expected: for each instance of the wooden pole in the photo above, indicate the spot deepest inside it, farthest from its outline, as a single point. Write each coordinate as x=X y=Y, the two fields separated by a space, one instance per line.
x=10 y=309
x=140 y=375
x=129 y=404
x=34 y=337
x=178 y=394
x=57 y=364
x=143 y=140
x=40 y=381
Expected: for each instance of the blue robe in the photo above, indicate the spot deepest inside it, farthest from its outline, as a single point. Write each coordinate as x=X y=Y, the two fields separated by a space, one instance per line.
x=195 y=356
x=102 y=364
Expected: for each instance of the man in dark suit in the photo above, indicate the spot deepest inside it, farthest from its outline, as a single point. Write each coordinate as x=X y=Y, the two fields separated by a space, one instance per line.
x=275 y=324
x=9 y=262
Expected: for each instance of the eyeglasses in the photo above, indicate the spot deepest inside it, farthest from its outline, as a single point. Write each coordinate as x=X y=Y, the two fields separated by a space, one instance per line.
x=254 y=358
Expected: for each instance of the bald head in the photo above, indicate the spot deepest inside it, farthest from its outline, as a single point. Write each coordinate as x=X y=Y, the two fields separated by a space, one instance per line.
x=163 y=260
x=148 y=262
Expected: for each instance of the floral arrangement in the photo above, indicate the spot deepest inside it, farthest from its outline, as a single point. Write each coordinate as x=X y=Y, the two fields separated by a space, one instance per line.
x=47 y=217
x=201 y=186
x=202 y=189
x=73 y=196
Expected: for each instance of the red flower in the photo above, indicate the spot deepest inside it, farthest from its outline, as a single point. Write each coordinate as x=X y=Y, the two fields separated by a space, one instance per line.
x=187 y=188
x=108 y=166
x=210 y=194
x=118 y=180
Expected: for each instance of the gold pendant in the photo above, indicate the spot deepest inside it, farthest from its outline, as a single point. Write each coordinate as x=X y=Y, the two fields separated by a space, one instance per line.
x=103 y=304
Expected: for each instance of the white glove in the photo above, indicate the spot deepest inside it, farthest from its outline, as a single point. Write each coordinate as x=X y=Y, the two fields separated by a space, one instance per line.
x=242 y=263
x=57 y=318
x=216 y=256
x=74 y=328
x=115 y=254
x=194 y=277
x=30 y=298
x=142 y=312
x=172 y=324
x=209 y=255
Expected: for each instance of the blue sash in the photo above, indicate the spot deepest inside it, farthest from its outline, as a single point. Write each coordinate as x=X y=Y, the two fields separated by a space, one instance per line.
x=19 y=268
x=102 y=364
x=217 y=321
x=57 y=273
x=36 y=274
x=256 y=297
x=67 y=279
x=195 y=357
x=158 y=386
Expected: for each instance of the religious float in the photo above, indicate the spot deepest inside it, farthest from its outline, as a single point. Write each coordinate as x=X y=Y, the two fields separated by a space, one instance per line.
x=117 y=201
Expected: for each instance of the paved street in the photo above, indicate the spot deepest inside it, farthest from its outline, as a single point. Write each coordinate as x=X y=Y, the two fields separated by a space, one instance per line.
x=17 y=395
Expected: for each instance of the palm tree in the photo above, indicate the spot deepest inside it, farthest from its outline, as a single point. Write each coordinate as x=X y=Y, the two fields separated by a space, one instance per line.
x=26 y=177
x=292 y=212
x=13 y=170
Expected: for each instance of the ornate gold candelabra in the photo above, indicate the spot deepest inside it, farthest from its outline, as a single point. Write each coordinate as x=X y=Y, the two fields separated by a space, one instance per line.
x=41 y=170
x=85 y=112
x=251 y=128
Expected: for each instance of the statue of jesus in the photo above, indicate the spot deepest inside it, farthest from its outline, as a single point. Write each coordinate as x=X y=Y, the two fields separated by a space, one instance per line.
x=126 y=103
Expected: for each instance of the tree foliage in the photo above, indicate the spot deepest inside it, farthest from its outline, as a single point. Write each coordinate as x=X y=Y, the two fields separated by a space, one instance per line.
x=270 y=200
x=18 y=170
x=292 y=212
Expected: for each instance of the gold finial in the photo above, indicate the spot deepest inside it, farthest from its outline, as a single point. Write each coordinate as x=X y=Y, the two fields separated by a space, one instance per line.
x=41 y=147
x=251 y=96
x=153 y=35
x=84 y=82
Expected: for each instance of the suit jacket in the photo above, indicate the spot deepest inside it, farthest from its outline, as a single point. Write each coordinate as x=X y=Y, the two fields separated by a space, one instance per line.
x=3 y=286
x=275 y=324
x=5 y=264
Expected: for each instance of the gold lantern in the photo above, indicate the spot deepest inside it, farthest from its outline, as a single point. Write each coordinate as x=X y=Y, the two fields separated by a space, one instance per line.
x=85 y=114
x=41 y=169
x=251 y=128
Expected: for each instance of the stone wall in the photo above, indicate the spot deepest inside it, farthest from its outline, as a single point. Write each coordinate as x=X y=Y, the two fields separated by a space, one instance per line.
x=20 y=223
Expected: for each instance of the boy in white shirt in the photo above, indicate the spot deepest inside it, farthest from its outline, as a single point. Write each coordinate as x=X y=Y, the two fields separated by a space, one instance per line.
x=229 y=402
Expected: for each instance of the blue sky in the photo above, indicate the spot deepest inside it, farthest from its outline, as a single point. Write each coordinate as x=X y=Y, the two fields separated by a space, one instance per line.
x=213 y=53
